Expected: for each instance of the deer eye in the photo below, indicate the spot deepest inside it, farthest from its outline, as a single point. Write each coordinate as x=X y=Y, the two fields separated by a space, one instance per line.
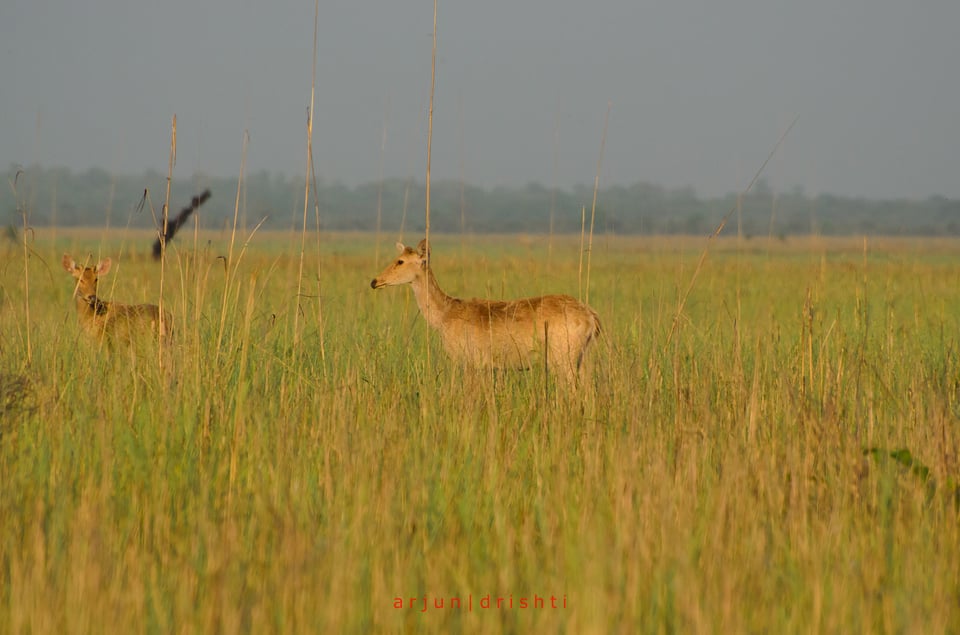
x=400 y=262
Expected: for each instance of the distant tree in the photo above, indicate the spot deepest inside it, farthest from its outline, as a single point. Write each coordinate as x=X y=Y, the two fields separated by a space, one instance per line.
x=96 y=198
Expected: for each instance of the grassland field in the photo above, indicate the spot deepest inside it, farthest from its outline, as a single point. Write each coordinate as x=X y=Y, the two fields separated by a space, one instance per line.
x=767 y=442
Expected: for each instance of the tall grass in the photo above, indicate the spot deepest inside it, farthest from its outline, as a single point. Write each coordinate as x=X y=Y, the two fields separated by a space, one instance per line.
x=713 y=481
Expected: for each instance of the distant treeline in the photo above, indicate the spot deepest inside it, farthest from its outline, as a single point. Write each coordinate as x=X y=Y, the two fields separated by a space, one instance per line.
x=97 y=198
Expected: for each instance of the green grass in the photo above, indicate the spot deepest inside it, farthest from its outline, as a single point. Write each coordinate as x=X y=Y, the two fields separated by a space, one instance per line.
x=746 y=474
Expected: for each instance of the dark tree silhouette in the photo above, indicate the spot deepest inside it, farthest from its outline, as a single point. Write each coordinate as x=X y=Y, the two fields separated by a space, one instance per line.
x=176 y=223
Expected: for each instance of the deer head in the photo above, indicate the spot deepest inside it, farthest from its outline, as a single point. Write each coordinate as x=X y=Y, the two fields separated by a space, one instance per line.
x=410 y=264
x=87 y=277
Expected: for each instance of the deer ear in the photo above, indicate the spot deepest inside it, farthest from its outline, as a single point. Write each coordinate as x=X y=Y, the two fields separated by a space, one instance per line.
x=422 y=248
x=401 y=247
x=68 y=263
x=104 y=266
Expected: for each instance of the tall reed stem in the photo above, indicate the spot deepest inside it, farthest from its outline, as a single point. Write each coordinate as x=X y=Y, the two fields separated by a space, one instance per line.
x=583 y=229
x=553 y=188
x=593 y=206
x=229 y=267
x=383 y=149
x=24 y=213
x=306 y=179
x=165 y=214
x=433 y=84
x=716 y=232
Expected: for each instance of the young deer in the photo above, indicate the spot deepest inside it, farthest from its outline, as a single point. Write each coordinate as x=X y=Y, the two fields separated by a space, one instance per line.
x=111 y=320
x=491 y=333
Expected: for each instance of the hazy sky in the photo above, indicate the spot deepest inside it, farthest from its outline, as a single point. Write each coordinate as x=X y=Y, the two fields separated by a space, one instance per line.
x=700 y=90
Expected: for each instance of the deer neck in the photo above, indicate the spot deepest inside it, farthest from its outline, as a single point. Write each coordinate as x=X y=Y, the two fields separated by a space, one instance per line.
x=431 y=299
x=90 y=307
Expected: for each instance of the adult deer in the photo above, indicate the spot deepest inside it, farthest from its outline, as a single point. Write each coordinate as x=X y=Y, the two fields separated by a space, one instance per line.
x=112 y=320
x=491 y=333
